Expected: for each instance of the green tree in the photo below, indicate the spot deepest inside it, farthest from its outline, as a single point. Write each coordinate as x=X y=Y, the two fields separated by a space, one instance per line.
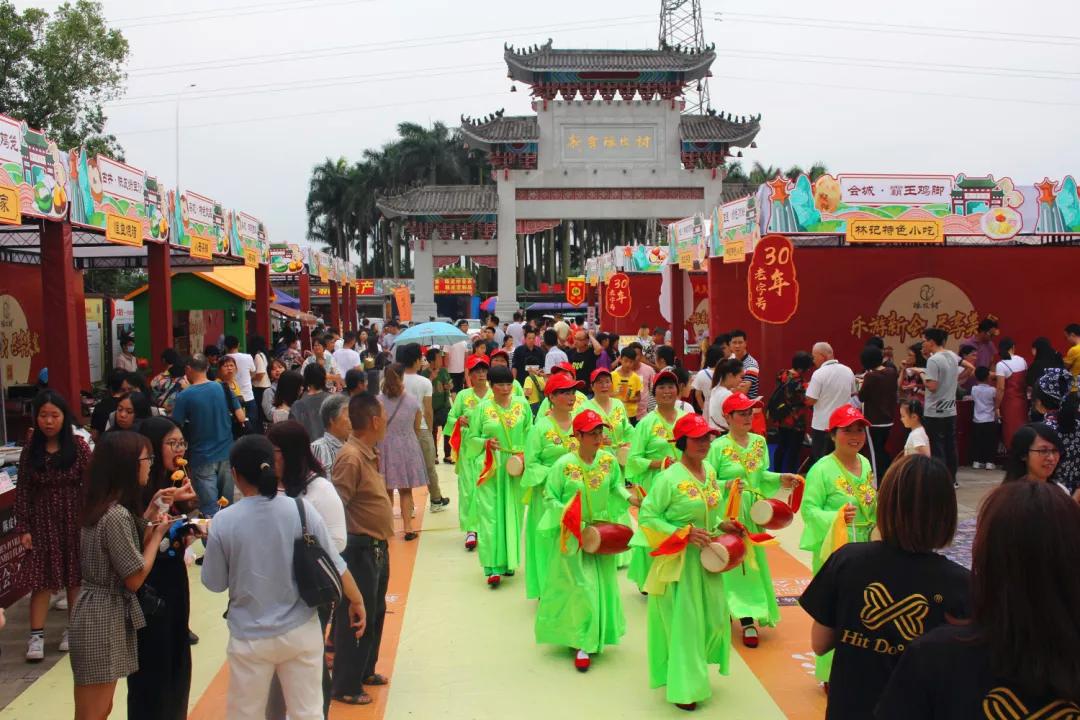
x=57 y=71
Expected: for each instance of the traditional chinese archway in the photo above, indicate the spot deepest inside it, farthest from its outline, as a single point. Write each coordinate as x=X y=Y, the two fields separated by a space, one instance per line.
x=608 y=141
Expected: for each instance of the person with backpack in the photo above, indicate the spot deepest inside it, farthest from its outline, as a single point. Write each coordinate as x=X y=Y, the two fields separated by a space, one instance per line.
x=786 y=410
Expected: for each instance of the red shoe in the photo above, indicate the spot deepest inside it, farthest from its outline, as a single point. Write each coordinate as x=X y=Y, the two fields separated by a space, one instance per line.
x=493 y=581
x=582 y=661
x=470 y=541
x=750 y=636
x=689 y=707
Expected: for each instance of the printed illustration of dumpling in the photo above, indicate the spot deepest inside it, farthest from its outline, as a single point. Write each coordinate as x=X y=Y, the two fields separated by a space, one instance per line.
x=827 y=193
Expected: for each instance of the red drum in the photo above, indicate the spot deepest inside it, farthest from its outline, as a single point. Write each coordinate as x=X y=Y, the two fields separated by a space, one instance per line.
x=515 y=465
x=724 y=553
x=771 y=514
x=606 y=538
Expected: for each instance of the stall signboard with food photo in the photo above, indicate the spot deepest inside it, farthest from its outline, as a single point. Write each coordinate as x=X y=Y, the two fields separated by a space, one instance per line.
x=247 y=238
x=113 y=196
x=197 y=216
x=33 y=174
x=286 y=260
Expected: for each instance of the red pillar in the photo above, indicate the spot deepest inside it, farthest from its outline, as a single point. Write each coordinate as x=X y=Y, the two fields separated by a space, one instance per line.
x=716 y=323
x=335 y=309
x=678 y=311
x=58 y=279
x=352 y=307
x=305 y=305
x=343 y=293
x=159 y=269
x=262 y=301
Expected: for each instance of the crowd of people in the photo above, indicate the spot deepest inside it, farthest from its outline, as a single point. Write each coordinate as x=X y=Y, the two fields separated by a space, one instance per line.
x=576 y=456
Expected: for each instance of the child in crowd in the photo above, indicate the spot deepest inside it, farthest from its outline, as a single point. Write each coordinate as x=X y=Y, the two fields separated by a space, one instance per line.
x=984 y=434
x=911 y=415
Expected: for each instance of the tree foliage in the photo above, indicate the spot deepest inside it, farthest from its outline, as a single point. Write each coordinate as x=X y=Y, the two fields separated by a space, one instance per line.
x=56 y=71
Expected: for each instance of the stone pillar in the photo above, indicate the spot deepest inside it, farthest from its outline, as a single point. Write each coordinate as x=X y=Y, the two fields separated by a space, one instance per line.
x=507 y=304
x=304 y=291
x=423 y=306
x=716 y=321
x=335 y=309
x=262 y=302
x=159 y=272
x=58 y=281
x=678 y=311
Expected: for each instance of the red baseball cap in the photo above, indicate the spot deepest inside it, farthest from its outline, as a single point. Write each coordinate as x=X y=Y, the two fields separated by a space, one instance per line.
x=563 y=367
x=587 y=420
x=597 y=373
x=846 y=415
x=692 y=425
x=502 y=352
x=665 y=373
x=473 y=360
x=739 y=401
x=562 y=381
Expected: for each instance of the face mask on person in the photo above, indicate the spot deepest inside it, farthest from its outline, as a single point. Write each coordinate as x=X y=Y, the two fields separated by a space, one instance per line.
x=129 y=348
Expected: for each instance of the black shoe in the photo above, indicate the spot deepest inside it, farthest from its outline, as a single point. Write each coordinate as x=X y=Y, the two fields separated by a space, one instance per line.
x=192 y=638
x=445 y=501
x=448 y=461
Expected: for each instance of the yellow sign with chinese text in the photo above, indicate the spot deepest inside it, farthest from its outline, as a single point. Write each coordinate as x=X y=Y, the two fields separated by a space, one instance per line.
x=883 y=230
x=735 y=251
x=202 y=247
x=123 y=230
x=9 y=206
x=251 y=257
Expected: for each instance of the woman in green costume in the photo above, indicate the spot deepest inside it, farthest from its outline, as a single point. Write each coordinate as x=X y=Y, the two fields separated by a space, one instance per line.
x=617 y=432
x=651 y=450
x=689 y=626
x=580 y=399
x=741 y=460
x=501 y=358
x=551 y=437
x=580 y=606
x=840 y=502
x=498 y=429
x=459 y=419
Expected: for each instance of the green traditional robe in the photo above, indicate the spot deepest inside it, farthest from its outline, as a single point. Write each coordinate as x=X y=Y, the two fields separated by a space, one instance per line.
x=464 y=403
x=497 y=501
x=580 y=402
x=580 y=606
x=749 y=588
x=829 y=486
x=652 y=439
x=547 y=442
x=618 y=434
x=688 y=621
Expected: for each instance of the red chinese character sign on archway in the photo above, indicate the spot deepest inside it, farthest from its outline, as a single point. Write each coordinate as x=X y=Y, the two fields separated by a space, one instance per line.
x=772 y=285
x=617 y=295
x=575 y=290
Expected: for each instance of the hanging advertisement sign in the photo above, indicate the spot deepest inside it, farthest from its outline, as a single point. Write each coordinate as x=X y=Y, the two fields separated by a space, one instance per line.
x=365 y=287
x=734 y=251
x=196 y=215
x=575 y=290
x=917 y=232
x=734 y=229
x=772 y=283
x=18 y=342
x=688 y=241
x=455 y=286
x=35 y=169
x=247 y=238
x=617 y=300
x=285 y=260
x=111 y=195
x=9 y=207
x=403 y=300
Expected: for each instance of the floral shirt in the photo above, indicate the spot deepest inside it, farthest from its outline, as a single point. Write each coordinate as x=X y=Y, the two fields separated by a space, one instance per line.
x=750 y=464
x=603 y=494
x=547 y=442
x=830 y=486
x=1068 y=469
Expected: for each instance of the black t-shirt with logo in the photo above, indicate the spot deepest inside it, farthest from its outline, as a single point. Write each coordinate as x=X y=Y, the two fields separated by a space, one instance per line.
x=946 y=675
x=584 y=363
x=878 y=599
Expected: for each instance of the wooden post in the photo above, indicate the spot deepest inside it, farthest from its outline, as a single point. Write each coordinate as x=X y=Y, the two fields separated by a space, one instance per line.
x=159 y=272
x=305 y=305
x=58 y=291
x=262 y=301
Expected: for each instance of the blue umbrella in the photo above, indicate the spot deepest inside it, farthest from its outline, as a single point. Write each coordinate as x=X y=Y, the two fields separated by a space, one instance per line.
x=431 y=333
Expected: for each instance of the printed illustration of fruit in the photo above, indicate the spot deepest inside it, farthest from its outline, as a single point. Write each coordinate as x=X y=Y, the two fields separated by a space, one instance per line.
x=827 y=193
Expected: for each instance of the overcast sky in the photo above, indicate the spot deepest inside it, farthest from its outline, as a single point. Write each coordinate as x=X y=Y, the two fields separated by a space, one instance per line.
x=281 y=86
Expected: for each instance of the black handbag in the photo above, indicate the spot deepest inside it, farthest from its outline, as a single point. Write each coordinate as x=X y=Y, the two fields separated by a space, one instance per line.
x=316 y=575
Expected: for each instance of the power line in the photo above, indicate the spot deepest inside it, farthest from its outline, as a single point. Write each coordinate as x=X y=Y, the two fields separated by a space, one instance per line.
x=226 y=13
x=361 y=48
x=892 y=28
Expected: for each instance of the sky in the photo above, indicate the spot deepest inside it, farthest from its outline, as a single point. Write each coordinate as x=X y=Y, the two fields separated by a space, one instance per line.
x=914 y=87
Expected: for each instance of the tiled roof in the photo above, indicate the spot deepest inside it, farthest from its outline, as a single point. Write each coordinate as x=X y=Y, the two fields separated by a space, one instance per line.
x=545 y=58
x=442 y=200
x=735 y=191
x=720 y=128
x=498 y=129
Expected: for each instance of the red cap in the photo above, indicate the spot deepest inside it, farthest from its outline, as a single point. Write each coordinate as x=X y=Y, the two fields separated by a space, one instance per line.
x=502 y=352
x=597 y=373
x=562 y=381
x=587 y=420
x=665 y=373
x=739 y=401
x=563 y=367
x=473 y=360
x=692 y=425
x=846 y=415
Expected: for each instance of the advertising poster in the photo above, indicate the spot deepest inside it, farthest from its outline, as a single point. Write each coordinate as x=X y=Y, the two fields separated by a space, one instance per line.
x=247 y=238
x=286 y=260
x=18 y=342
x=33 y=174
x=121 y=324
x=197 y=216
x=95 y=336
x=688 y=240
x=772 y=282
x=734 y=230
x=109 y=195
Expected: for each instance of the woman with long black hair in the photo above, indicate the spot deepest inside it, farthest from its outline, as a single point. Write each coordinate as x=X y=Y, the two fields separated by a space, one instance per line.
x=1020 y=654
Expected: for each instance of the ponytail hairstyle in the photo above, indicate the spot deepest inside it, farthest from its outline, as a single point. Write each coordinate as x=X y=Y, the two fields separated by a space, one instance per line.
x=1005 y=348
x=393 y=386
x=252 y=457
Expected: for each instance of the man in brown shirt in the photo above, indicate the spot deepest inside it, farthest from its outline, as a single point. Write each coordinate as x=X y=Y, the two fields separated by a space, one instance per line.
x=369 y=519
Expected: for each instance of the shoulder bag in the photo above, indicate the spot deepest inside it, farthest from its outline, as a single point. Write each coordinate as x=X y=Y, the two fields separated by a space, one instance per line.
x=317 y=578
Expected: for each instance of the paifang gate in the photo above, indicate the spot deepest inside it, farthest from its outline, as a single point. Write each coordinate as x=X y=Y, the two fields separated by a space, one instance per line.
x=608 y=140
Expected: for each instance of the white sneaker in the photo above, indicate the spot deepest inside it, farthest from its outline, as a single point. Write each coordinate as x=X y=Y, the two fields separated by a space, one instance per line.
x=438 y=508
x=990 y=466
x=977 y=465
x=35 y=649
x=64 y=642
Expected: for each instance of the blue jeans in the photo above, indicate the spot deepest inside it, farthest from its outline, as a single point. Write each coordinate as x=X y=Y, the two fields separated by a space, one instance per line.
x=212 y=481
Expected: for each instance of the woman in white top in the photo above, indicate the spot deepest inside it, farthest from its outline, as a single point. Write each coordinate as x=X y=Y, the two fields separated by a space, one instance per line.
x=1011 y=398
x=727 y=377
x=321 y=355
x=911 y=414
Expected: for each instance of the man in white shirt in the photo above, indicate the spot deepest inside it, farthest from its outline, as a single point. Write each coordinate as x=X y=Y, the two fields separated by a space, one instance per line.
x=554 y=354
x=831 y=386
x=455 y=357
x=347 y=358
x=245 y=369
x=420 y=388
x=516 y=329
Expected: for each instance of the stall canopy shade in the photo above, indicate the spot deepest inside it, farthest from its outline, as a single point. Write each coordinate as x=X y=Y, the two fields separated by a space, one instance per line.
x=286 y=300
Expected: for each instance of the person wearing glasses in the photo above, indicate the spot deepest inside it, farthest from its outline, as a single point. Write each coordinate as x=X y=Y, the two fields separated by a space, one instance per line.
x=117 y=552
x=1034 y=454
